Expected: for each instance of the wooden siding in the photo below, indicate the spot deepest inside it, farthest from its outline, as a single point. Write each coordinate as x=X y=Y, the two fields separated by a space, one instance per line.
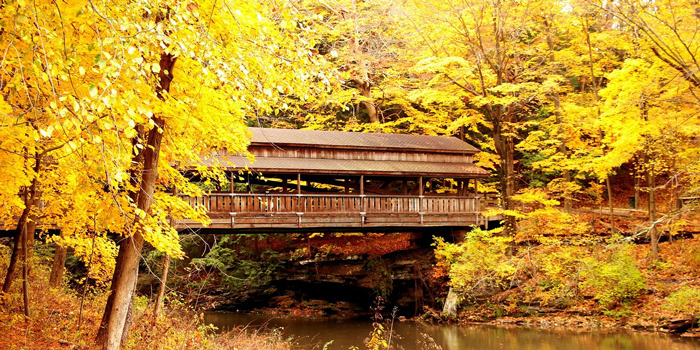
x=352 y=154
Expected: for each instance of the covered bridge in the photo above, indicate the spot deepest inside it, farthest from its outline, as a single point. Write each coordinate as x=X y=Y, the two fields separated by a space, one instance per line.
x=309 y=180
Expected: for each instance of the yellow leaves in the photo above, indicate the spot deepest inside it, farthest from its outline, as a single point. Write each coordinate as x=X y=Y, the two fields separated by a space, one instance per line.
x=93 y=82
x=97 y=252
x=5 y=107
x=46 y=132
x=531 y=196
x=93 y=90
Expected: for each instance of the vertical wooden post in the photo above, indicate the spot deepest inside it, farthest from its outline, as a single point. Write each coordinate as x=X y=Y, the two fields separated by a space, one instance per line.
x=284 y=185
x=233 y=181
x=363 y=200
x=299 y=208
x=346 y=182
x=405 y=187
x=421 y=205
x=298 y=183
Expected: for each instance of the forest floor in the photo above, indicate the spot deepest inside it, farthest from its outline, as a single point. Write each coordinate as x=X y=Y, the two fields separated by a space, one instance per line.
x=62 y=319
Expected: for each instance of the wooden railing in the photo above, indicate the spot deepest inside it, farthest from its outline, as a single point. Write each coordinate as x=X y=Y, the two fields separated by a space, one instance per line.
x=265 y=212
x=335 y=203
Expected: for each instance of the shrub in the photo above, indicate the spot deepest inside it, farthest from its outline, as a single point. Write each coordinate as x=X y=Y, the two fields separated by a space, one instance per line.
x=685 y=301
x=478 y=262
x=558 y=274
x=613 y=279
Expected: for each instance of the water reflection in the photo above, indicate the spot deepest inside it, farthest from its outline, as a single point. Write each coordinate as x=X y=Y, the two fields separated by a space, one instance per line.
x=312 y=334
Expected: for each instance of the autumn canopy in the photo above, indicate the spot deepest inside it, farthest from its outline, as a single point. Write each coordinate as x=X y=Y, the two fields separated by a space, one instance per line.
x=104 y=103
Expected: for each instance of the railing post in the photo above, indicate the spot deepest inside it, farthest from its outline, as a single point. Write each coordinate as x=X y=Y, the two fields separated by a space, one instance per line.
x=363 y=201
x=299 y=195
x=362 y=185
x=421 y=200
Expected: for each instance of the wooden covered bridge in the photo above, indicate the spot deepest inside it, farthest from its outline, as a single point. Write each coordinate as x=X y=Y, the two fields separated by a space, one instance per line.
x=308 y=180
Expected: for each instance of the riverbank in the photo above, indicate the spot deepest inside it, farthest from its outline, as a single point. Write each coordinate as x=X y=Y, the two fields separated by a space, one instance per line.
x=615 y=286
x=549 y=290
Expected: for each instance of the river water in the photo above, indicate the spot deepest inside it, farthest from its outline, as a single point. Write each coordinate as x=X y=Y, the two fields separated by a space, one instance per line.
x=314 y=333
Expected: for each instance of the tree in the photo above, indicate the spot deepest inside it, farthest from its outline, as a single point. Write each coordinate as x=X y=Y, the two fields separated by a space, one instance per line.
x=488 y=64
x=135 y=88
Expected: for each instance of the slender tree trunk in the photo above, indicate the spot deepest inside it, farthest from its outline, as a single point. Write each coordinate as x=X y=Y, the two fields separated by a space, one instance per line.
x=126 y=272
x=161 y=289
x=16 y=251
x=653 y=232
x=560 y=122
x=637 y=197
x=21 y=231
x=58 y=266
x=25 y=272
x=610 y=204
x=562 y=150
x=510 y=186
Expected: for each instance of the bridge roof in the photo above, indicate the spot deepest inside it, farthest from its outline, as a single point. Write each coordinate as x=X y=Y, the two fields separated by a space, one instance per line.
x=289 y=151
x=361 y=140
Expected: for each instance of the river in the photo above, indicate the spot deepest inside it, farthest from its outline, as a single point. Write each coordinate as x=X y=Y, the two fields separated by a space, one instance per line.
x=314 y=333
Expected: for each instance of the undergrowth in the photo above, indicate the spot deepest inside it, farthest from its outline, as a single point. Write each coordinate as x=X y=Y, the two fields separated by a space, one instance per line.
x=56 y=322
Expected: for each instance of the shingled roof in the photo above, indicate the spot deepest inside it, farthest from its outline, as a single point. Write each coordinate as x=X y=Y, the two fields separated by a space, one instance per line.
x=350 y=140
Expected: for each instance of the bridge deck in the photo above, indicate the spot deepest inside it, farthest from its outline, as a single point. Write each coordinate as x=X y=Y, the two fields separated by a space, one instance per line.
x=235 y=211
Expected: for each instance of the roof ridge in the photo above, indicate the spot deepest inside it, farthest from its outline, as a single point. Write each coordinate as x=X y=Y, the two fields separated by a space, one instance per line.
x=359 y=139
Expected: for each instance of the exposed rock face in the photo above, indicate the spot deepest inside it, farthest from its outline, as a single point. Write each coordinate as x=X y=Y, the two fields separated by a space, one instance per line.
x=336 y=274
x=346 y=285
x=451 y=303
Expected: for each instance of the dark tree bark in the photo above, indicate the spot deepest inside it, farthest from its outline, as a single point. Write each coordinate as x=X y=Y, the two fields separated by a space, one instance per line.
x=653 y=232
x=22 y=229
x=115 y=325
x=25 y=272
x=610 y=205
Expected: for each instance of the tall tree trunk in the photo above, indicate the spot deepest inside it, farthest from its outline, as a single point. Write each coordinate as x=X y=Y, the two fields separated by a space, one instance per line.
x=562 y=150
x=58 y=266
x=366 y=91
x=129 y=315
x=637 y=197
x=653 y=232
x=25 y=271
x=610 y=204
x=22 y=227
x=510 y=186
x=16 y=252
x=560 y=122
x=126 y=270
x=161 y=289
x=504 y=145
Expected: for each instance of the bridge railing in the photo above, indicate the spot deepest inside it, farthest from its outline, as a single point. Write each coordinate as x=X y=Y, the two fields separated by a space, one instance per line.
x=226 y=203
